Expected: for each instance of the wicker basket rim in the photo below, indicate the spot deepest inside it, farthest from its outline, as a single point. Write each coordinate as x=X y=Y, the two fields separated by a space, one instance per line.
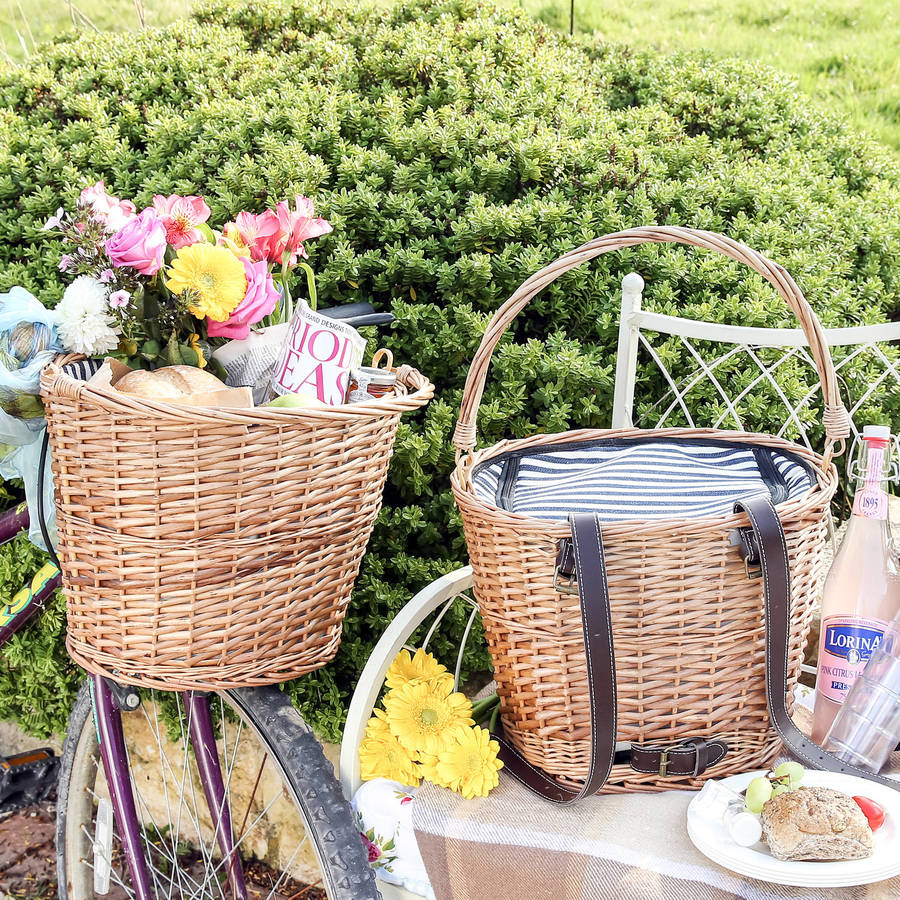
x=462 y=488
x=54 y=380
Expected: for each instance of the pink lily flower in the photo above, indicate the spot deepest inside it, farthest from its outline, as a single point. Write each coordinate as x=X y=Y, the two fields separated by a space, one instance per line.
x=113 y=212
x=259 y=233
x=181 y=216
x=296 y=226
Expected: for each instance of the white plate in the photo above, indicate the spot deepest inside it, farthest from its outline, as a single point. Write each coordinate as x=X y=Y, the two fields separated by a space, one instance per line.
x=711 y=839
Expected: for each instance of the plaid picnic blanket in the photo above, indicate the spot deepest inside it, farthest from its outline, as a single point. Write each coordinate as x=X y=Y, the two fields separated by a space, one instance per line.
x=515 y=846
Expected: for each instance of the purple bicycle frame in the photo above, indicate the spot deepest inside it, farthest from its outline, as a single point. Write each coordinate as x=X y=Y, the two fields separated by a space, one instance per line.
x=113 y=754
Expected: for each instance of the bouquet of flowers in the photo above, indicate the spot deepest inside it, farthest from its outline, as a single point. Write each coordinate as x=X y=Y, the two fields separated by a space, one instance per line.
x=161 y=287
x=427 y=730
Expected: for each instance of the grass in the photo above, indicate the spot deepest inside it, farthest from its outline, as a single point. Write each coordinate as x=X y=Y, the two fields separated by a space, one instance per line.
x=843 y=53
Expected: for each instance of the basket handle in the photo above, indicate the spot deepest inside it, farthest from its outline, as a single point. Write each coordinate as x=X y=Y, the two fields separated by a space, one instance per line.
x=836 y=419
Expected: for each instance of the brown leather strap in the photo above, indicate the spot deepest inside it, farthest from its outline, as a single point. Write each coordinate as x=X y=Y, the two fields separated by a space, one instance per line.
x=590 y=567
x=772 y=557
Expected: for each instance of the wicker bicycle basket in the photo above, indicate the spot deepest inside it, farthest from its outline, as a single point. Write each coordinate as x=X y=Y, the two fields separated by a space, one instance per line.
x=209 y=548
x=687 y=620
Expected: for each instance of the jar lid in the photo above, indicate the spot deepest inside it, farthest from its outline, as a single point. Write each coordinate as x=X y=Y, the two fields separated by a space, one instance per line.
x=371 y=375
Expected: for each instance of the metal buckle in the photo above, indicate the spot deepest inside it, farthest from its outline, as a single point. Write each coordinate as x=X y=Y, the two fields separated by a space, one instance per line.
x=743 y=539
x=565 y=584
x=664 y=763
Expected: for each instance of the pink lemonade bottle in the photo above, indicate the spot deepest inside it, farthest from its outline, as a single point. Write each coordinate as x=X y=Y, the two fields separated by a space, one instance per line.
x=862 y=590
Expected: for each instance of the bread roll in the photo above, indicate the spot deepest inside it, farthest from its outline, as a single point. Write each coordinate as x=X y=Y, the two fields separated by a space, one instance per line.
x=815 y=823
x=169 y=382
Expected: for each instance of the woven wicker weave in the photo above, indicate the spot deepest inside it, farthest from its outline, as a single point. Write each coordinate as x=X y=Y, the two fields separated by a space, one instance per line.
x=687 y=620
x=210 y=548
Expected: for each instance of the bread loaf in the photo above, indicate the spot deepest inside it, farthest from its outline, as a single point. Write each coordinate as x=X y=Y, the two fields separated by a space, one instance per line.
x=169 y=382
x=815 y=823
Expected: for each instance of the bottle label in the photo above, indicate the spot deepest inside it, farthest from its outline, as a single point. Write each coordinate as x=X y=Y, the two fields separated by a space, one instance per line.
x=871 y=501
x=847 y=644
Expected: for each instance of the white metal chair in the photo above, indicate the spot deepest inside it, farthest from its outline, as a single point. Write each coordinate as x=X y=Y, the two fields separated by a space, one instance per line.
x=434 y=601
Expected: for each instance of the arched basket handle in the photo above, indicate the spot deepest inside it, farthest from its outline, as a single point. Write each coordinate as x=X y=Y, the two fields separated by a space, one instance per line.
x=836 y=418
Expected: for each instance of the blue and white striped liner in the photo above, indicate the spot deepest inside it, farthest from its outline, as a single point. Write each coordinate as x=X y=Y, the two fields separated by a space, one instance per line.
x=83 y=369
x=641 y=480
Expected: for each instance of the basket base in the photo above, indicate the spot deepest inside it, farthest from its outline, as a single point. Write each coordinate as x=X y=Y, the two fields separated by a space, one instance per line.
x=286 y=667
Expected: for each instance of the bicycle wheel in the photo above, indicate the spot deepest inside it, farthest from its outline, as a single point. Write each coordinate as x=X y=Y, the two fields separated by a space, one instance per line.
x=293 y=829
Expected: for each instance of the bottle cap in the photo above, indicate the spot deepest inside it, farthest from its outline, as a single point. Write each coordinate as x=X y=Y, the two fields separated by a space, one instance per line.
x=876 y=433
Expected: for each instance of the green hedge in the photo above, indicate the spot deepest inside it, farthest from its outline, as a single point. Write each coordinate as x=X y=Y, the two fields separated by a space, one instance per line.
x=456 y=148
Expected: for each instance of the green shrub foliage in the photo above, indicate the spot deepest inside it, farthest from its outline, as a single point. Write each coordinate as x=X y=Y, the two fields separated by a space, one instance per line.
x=457 y=148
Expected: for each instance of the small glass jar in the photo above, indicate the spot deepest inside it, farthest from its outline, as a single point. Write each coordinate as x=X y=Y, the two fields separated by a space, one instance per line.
x=370 y=383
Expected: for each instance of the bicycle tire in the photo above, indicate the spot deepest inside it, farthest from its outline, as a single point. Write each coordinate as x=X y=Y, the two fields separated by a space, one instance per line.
x=305 y=771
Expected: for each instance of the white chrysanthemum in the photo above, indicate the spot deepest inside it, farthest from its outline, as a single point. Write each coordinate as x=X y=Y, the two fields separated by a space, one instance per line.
x=83 y=320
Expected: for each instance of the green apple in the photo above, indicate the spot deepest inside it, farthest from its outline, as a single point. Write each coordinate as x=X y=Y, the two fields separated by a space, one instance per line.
x=293 y=401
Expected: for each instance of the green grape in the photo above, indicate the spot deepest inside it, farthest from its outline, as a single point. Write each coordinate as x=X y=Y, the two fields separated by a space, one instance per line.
x=791 y=770
x=781 y=788
x=758 y=791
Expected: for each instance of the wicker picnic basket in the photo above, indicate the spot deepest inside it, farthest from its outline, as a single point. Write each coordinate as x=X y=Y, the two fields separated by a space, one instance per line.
x=209 y=548
x=689 y=636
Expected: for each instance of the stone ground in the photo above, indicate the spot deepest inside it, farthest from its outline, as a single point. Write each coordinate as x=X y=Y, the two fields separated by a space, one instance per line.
x=28 y=856
x=28 y=862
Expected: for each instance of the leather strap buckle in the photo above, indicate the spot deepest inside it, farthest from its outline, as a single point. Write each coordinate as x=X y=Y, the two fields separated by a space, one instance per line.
x=664 y=763
x=748 y=548
x=564 y=573
x=688 y=759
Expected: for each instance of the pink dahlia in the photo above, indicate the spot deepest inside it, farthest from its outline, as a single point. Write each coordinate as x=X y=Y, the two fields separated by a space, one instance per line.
x=258 y=302
x=181 y=216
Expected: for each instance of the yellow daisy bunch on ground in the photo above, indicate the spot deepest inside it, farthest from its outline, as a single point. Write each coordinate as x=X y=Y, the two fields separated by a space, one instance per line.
x=417 y=668
x=426 y=729
x=381 y=755
x=467 y=764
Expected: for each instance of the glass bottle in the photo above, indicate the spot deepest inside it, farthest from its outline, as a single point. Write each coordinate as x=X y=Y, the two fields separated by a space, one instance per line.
x=867 y=726
x=862 y=590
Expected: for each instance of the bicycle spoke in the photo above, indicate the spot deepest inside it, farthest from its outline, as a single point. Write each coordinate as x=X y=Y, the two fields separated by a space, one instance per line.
x=179 y=826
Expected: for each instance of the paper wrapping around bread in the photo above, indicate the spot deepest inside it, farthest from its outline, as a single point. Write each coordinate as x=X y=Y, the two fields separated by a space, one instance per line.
x=113 y=370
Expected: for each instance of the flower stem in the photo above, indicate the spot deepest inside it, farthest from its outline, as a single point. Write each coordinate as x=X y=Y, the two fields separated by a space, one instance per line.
x=311 y=283
x=481 y=709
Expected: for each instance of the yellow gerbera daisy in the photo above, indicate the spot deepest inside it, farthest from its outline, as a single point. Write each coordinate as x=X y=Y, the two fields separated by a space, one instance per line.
x=422 y=667
x=467 y=764
x=382 y=756
x=428 y=767
x=421 y=714
x=213 y=276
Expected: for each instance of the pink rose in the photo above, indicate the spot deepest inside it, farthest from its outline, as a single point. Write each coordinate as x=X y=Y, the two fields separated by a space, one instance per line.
x=295 y=226
x=140 y=244
x=181 y=216
x=258 y=302
x=112 y=211
x=259 y=233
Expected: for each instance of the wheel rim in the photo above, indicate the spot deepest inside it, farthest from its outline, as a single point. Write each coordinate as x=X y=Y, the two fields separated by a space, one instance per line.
x=176 y=826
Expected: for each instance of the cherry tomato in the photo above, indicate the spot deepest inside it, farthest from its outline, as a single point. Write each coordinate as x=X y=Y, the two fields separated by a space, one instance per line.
x=872 y=811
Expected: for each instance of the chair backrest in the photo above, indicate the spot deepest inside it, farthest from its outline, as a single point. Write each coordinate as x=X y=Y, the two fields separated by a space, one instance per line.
x=713 y=349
